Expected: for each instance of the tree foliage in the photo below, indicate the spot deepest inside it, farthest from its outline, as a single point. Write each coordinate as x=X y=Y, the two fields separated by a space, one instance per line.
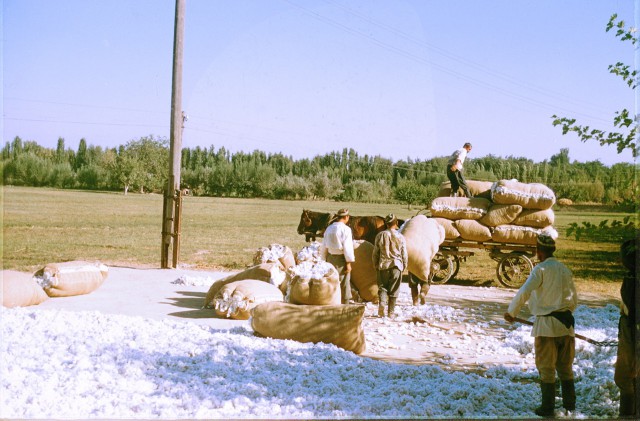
x=623 y=121
x=142 y=164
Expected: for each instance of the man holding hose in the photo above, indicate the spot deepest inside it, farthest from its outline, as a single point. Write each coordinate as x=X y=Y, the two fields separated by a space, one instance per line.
x=552 y=298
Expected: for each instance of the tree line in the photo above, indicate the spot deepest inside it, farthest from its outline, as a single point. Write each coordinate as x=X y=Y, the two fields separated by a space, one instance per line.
x=141 y=165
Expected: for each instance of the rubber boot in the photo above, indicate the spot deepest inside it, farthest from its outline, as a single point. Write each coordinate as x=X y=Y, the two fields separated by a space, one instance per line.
x=382 y=302
x=392 y=306
x=548 y=400
x=568 y=395
x=627 y=406
x=414 y=293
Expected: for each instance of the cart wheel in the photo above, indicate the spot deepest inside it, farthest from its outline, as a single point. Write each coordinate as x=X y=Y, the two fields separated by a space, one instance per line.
x=514 y=269
x=456 y=267
x=443 y=268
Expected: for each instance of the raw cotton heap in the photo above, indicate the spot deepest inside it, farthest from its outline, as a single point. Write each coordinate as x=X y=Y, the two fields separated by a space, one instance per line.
x=275 y=253
x=506 y=211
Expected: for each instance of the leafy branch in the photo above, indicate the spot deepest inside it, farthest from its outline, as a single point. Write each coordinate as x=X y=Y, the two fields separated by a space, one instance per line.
x=623 y=119
x=604 y=231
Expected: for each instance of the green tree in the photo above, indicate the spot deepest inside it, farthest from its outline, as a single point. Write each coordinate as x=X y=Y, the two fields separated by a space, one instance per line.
x=81 y=155
x=142 y=164
x=409 y=192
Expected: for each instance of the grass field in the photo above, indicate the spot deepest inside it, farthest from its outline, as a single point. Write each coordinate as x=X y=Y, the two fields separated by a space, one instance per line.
x=43 y=225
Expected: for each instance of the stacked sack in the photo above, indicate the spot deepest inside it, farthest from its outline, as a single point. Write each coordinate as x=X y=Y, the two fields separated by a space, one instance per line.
x=311 y=310
x=506 y=211
x=295 y=297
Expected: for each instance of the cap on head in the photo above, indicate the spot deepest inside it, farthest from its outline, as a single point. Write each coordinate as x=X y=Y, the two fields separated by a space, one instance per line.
x=390 y=219
x=342 y=212
x=546 y=241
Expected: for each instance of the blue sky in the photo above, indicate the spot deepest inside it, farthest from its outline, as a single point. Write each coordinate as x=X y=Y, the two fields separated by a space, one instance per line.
x=396 y=78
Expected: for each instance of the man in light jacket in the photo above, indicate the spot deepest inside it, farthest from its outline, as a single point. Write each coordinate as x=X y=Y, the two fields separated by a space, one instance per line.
x=552 y=298
x=389 y=258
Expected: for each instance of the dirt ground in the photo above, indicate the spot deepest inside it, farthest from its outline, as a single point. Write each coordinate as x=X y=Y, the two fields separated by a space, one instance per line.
x=412 y=338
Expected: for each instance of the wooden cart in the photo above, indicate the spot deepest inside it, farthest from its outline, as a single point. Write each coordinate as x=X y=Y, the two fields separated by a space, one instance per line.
x=513 y=260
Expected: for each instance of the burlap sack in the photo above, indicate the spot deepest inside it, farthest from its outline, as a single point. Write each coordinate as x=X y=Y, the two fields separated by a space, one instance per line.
x=529 y=196
x=500 y=215
x=423 y=236
x=476 y=188
x=363 y=273
x=275 y=253
x=535 y=218
x=450 y=231
x=19 y=289
x=314 y=284
x=515 y=234
x=459 y=207
x=71 y=278
x=272 y=273
x=472 y=230
x=340 y=325
x=236 y=299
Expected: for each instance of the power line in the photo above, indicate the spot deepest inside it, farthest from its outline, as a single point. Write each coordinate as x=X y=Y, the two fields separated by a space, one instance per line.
x=42 y=120
x=442 y=68
x=459 y=59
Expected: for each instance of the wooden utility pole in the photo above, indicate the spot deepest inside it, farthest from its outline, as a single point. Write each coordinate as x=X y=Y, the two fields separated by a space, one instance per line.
x=172 y=207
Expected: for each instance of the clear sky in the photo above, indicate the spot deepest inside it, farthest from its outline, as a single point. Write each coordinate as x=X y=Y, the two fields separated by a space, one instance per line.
x=396 y=78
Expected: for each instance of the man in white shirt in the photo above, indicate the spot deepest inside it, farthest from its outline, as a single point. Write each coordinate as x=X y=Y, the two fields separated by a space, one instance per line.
x=454 y=170
x=337 y=249
x=552 y=299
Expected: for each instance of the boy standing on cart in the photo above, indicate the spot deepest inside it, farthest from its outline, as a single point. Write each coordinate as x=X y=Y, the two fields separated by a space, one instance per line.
x=454 y=170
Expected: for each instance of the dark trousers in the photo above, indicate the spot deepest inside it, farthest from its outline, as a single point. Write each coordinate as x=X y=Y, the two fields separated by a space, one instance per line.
x=389 y=281
x=339 y=262
x=457 y=181
x=627 y=366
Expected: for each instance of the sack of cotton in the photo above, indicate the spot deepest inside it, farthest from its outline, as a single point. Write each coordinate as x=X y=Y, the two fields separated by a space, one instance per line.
x=275 y=253
x=459 y=207
x=500 y=215
x=527 y=195
x=19 y=289
x=476 y=188
x=363 y=273
x=310 y=253
x=272 y=273
x=313 y=284
x=517 y=234
x=423 y=236
x=472 y=230
x=71 y=278
x=340 y=325
x=450 y=231
x=236 y=299
x=535 y=218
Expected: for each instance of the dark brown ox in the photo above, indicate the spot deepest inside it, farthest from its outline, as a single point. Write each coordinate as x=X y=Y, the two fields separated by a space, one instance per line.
x=313 y=224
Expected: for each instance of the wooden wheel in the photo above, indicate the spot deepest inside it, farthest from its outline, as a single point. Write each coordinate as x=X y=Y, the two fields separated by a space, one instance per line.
x=514 y=269
x=443 y=268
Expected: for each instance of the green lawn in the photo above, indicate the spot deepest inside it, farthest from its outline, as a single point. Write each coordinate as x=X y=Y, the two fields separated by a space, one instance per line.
x=42 y=225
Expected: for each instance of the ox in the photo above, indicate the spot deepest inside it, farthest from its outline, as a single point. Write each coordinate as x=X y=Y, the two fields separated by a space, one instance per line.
x=313 y=224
